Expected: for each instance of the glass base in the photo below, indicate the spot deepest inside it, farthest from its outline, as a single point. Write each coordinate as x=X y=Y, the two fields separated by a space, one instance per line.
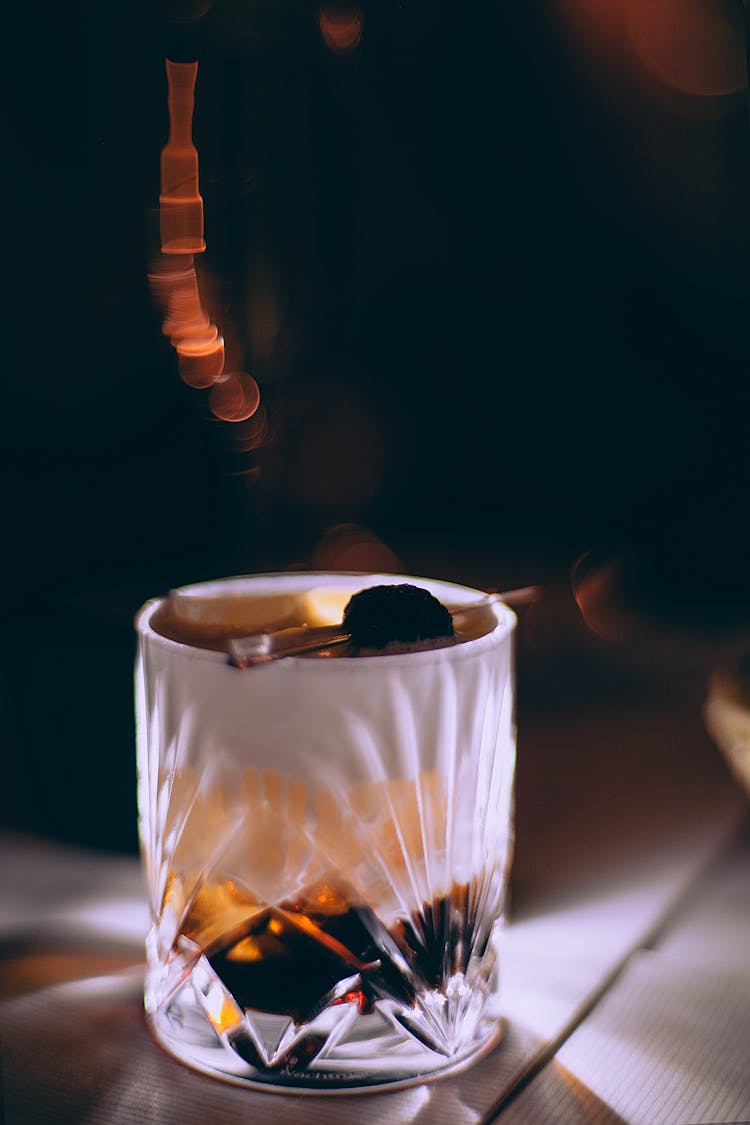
x=365 y=1053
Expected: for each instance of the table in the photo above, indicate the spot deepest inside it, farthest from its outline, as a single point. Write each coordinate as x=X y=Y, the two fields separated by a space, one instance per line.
x=625 y=965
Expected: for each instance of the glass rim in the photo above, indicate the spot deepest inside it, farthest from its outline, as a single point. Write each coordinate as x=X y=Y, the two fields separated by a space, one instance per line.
x=298 y=581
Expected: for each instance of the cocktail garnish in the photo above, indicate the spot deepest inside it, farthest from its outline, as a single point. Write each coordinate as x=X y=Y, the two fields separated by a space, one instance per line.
x=406 y=618
x=379 y=615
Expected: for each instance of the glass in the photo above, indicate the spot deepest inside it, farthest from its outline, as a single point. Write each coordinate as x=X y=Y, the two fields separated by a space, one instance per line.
x=326 y=842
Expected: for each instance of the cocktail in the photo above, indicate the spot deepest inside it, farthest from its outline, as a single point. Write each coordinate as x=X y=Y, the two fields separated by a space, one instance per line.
x=326 y=825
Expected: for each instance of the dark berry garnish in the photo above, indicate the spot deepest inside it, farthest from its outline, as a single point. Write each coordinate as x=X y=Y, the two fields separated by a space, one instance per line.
x=381 y=614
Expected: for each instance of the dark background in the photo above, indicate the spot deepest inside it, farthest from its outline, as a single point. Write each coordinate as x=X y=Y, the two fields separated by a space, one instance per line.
x=490 y=274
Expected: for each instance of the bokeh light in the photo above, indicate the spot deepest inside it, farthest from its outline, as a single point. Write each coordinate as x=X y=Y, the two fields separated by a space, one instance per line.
x=180 y=202
x=693 y=47
x=201 y=361
x=349 y=546
x=201 y=349
x=234 y=397
x=341 y=26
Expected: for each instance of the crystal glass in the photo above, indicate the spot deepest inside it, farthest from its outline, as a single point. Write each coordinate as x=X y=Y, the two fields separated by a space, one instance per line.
x=326 y=844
